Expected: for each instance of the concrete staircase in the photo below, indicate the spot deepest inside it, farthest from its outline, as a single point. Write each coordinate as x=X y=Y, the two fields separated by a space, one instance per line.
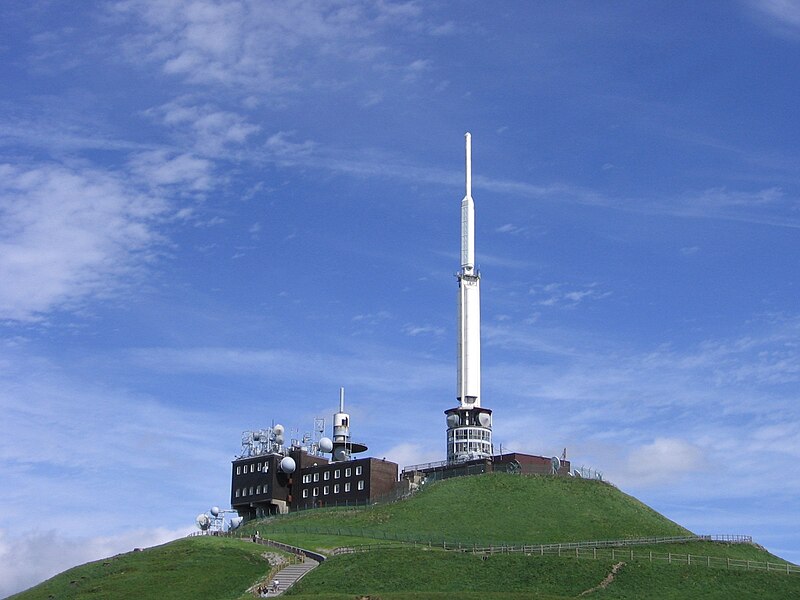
x=289 y=575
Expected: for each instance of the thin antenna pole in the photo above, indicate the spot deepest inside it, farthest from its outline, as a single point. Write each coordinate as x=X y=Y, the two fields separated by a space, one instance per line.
x=341 y=399
x=468 y=143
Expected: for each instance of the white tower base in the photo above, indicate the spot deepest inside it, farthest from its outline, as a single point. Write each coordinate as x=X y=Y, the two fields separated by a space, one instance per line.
x=469 y=434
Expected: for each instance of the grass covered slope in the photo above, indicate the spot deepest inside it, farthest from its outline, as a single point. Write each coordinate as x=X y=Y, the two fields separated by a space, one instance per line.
x=199 y=567
x=386 y=571
x=493 y=508
x=420 y=575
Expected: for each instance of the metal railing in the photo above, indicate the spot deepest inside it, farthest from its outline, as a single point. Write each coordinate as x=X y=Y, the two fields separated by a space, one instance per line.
x=277 y=526
x=257 y=539
x=554 y=547
x=586 y=550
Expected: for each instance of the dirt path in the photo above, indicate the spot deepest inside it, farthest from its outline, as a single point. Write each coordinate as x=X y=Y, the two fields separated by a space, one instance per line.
x=607 y=581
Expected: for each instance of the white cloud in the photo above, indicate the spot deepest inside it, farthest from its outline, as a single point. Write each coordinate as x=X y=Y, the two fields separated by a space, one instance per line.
x=411 y=453
x=414 y=330
x=68 y=433
x=210 y=130
x=783 y=15
x=557 y=294
x=30 y=558
x=379 y=371
x=281 y=148
x=165 y=168
x=262 y=47
x=664 y=460
x=509 y=228
x=68 y=234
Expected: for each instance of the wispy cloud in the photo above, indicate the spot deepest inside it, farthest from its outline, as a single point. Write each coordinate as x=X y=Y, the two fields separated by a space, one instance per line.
x=209 y=130
x=564 y=296
x=510 y=228
x=285 y=151
x=768 y=206
x=414 y=330
x=67 y=234
x=272 y=48
x=164 y=168
x=373 y=370
x=782 y=15
x=69 y=432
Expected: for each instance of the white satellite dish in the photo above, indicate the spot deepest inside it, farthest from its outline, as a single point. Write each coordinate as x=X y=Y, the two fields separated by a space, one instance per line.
x=340 y=454
x=235 y=522
x=214 y=511
x=288 y=465
x=203 y=522
x=279 y=439
x=278 y=430
x=484 y=419
x=555 y=463
x=326 y=444
x=452 y=420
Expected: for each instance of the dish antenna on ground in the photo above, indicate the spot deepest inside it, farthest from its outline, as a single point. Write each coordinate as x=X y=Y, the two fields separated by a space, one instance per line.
x=203 y=522
x=555 y=465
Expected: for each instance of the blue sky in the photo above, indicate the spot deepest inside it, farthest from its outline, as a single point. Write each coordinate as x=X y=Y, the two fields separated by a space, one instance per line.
x=214 y=214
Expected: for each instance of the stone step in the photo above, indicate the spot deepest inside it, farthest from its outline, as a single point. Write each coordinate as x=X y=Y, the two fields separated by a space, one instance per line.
x=290 y=574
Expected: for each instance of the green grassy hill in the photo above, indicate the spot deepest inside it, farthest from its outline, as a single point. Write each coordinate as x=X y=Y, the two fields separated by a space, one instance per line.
x=190 y=568
x=418 y=575
x=485 y=509
x=492 y=508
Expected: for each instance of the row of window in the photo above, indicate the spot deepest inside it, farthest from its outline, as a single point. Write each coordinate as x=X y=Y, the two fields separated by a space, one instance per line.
x=254 y=490
x=470 y=434
x=253 y=467
x=472 y=447
x=327 y=489
x=326 y=475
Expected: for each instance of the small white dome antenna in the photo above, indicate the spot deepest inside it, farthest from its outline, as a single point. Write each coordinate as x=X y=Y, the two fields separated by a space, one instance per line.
x=213 y=521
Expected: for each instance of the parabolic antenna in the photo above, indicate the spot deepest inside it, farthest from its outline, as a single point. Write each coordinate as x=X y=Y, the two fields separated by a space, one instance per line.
x=340 y=454
x=452 y=420
x=279 y=439
x=288 y=465
x=214 y=511
x=555 y=462
x=278 y=429
x=326 y=444
x=235 y=522
x=203 y=522
x=484 y=419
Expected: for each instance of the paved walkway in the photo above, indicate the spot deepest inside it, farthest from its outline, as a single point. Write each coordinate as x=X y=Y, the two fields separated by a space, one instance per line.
x=289 y=575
